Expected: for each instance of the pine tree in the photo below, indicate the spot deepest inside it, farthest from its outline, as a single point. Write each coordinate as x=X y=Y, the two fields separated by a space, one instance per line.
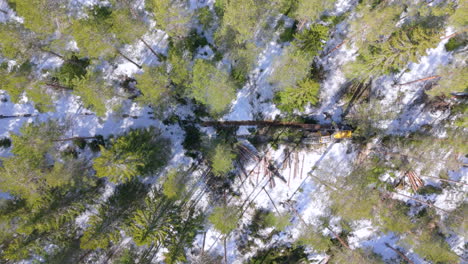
x=136 y=153
x=225 y=218
x=242 y=18
x=72 y=68
x=154 y=86
x=221 y=159
x=292 y=67
x=174 y=186
x=453 y=78
x=179 y=69
x=155 y=221
x=458 y=19
x=211 y=87
x=375 y=21
x=92 y=35
x=15 y=42
x=310 y=10
x=171 y=16
x=41 y=16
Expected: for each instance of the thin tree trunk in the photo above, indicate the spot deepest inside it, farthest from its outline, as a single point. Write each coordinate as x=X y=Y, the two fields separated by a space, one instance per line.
x=421 y=80
x=203 y=244
x=272 y=202
x=399 y=253
x=420 y=201
x=445 y=180
x=337 y=47
x=301 y=25
x=151 y=49
x=128 y=59
x=454 y=34
x=225 y=251
x=51 y=52
x=342 y=242
x=58 y=86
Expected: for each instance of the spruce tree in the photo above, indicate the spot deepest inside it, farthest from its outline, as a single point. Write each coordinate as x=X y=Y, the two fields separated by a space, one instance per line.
x=136 y=153
x=30 y=171
x=404 y=46
x=298 y=97
x=93 y=91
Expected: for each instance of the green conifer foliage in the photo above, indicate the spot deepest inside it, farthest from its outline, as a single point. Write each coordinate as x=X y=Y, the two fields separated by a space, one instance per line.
x=453 y=78
x=154 y=85
x=179 y=69
x=41 y=16
x=374 y=21
x=433 y=247
x=137 y=153
x=292 y=67
x=154 y=222
x=314 y=239
x=404 y=46
x=91 y=38
x=292 y=98
x=174 y=186
x=28 y=172
x=93 y=91
x=211 y=87
x=171 y=16
x=459 y=19
x=225 y=218
x=106 y=30
x=15 y=42
x=279 y=221
x=242 y=17
x=72 y=68
x=221 y=159
x=205 y=16
x=310 y=10
x=104 y=227
x=312 y=40
x=14 y=82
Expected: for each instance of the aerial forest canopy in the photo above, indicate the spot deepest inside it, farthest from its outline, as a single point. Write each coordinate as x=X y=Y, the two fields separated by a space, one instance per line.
x=233 y=131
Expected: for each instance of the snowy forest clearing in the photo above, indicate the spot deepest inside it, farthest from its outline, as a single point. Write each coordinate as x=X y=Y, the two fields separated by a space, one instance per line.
x=106 y=155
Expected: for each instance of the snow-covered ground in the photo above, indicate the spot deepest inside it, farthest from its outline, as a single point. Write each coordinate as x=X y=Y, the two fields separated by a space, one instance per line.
x=309 y=199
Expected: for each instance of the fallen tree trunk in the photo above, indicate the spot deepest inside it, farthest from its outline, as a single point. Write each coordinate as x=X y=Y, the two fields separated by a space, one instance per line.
x=264 y=123
x=72 y=138
x=420 y=80
x=337 y=47
x=16 y=116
